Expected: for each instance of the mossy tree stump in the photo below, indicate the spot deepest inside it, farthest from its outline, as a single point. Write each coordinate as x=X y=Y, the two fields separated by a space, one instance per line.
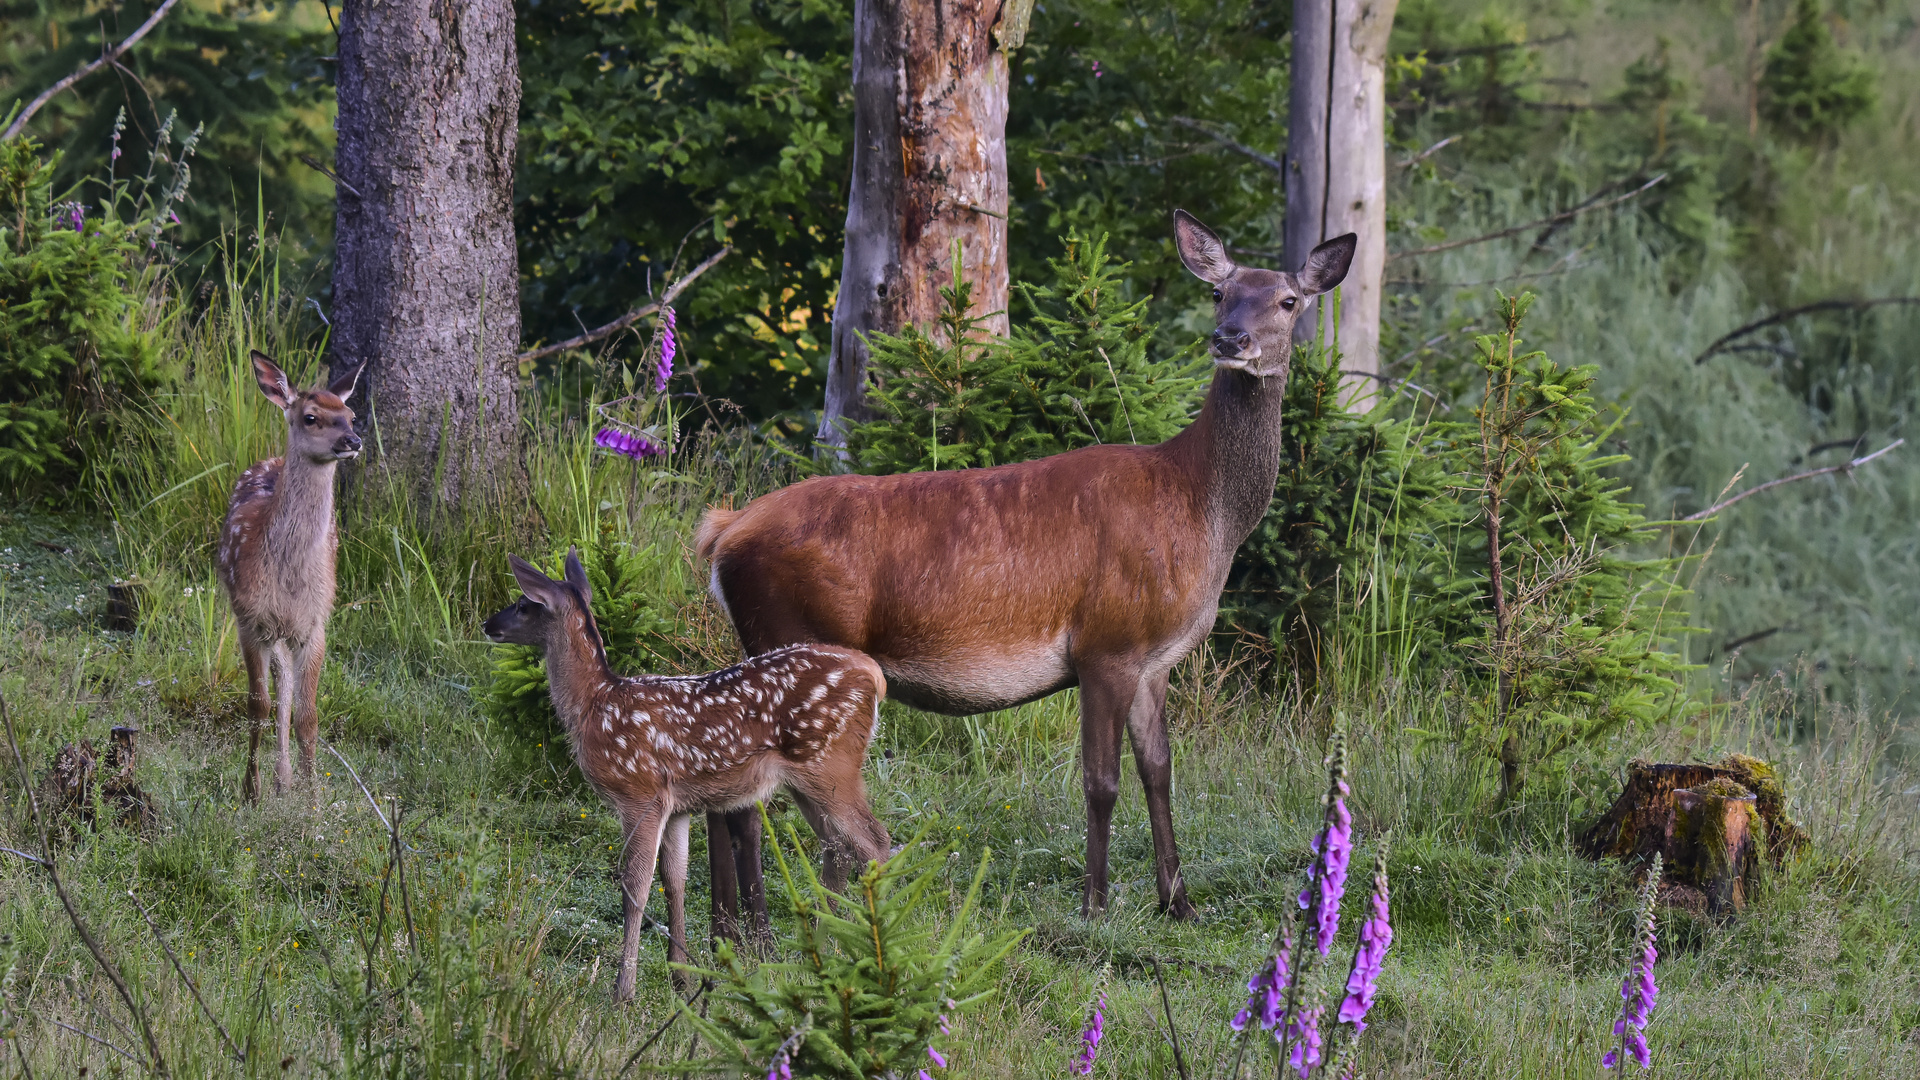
x=83 y=782
x=1712 y=824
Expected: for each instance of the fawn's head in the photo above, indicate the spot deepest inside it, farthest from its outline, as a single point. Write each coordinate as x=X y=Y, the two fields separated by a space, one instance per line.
x=319 y=424
x=1253 y=309
x=548 y=607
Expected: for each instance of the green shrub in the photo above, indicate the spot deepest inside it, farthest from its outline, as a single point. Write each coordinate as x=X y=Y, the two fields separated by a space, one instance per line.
x=1075 y=374
x=871 y=987
x=1811 y=87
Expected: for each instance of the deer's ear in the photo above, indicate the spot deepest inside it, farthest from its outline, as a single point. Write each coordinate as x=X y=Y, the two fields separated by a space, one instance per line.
x=577 y=574
x=539 y=587
x=273 y=381
x=1327 y=265
x=1202 y=252
x=343 y=386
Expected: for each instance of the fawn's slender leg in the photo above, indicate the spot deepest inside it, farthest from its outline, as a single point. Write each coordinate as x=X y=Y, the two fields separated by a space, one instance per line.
x=307 y=661
x=1153 y=757
x=745 y=831
x=725 y=887
x=283 y=691
x=849 y=832
x=643 y=848
x=1106 y=691
x=673 y=874
x=259 y=704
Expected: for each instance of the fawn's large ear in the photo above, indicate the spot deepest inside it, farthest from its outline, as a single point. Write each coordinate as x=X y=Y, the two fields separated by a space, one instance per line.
x=1201 y=250
x=273 y=381
x=343 y=386
x=1327 y=265
x=539 y=588
x=577 y=575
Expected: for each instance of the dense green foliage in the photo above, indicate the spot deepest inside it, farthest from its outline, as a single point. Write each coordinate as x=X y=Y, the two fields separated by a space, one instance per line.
x=75 y=339
x=1078 y=371
x=1811 y=87
x=870 y=985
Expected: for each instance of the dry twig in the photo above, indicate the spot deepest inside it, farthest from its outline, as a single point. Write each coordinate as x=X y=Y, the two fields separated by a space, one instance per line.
x=1721 y=343
x=106 y=58
x=1514 y=230
x=631 y=317
x=1846 y=466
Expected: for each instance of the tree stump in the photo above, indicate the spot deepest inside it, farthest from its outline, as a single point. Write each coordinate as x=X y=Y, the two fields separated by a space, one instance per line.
x=1712 y=824
x=124 y=600
x=83 y=782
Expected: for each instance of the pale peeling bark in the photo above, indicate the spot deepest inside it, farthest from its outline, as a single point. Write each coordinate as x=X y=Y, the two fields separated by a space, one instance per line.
x=929 y=168
x=426 y=278
x=1337 y=162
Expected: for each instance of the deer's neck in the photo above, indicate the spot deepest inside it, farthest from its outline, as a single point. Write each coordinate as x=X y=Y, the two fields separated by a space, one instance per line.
x=303 y=518
x=578 y=675
x=1233 y=449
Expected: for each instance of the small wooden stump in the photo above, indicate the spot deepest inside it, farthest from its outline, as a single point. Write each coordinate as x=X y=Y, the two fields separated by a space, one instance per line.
x=124 y=602
x=79 y=773
x=1712 y=824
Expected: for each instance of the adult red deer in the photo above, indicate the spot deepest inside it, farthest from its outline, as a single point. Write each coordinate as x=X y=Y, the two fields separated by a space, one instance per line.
x=660 y=748
x=981 y=589
x=276 y=561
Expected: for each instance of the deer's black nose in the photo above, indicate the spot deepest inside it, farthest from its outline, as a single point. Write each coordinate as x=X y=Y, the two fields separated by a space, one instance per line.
x=347 y=444
x=1231 y=340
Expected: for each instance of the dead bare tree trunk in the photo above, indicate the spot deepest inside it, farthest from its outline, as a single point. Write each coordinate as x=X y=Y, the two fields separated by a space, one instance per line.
x=929 y=169
x=1336 y=173
x=426 y=279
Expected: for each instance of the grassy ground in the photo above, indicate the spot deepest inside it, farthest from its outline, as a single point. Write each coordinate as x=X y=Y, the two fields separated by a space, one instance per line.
x=1507 y=960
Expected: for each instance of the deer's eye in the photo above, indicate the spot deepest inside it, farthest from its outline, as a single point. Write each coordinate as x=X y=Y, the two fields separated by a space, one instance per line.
x=1288 y=303
x=312 y=419
x=1216 y=296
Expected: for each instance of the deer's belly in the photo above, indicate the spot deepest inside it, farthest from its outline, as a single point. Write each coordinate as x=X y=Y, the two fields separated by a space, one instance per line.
x=964 y=681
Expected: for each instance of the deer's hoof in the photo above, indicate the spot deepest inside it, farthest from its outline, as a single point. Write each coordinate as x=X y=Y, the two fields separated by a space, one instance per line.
x=1182 y=910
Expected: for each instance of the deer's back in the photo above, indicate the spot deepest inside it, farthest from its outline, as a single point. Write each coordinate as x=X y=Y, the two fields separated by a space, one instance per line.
x=975 y=589
x=726 y=739
x=280 y=592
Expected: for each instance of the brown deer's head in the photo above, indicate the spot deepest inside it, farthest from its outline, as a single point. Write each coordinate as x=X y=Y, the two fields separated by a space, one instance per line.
x=549 y=607
x=319 y=424
x=1254 y=310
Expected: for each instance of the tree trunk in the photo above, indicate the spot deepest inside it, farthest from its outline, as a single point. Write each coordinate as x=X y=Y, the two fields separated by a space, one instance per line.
x=929 y=169
x=1337 y=162
x=426 y=279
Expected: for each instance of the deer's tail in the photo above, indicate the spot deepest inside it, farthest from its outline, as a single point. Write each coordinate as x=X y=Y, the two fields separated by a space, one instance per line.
x=706 y=539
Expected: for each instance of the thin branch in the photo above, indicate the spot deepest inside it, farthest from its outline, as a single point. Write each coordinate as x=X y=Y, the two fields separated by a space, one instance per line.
x=314 y=163
x=106 y=58
x=1388 y=380
x=1843 y=467
x=631 y=317
x=21 y=854
x=159 y=1063
x=1430 y=151
x=1777 y=317
x=185 y=978
x=1239 y=148
x=95 y=1038
x=655 y=1037
x=1504 y=46
x=1514 y=230
x=1173 y=1032
x=368 y=794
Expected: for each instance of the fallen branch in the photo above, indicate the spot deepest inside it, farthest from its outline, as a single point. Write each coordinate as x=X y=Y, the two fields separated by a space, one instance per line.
x=1429 y=152
x=1514 y=230
x=181 y=970
x=1843 y=467
x=1241 y=148
x=363 y=790
x=1720 y=345
x=106 y=58
x=631 y=317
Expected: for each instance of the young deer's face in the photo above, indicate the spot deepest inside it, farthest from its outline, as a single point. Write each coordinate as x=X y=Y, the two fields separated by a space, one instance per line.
x=548 y=607
x=319 y=424
x=1254 y=310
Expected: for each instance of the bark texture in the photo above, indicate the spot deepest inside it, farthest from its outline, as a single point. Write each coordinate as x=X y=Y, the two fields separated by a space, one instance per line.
x=929 y=169
x=1337 y=160
x=426 y=278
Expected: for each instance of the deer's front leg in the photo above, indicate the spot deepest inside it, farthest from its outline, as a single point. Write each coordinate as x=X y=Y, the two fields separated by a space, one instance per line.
x=307 y=660
x=1105 y=694
x=259 y=704
x=643 y=847
x=1153 y=756
x=283 y=690
x=673 y=874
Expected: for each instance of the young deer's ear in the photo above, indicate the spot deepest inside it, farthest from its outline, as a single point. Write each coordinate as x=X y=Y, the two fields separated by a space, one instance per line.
x=577 y=574
x=343 y=386
x=1202 y=252
x=539 y=588
x=273 y=381
x=1327 y=265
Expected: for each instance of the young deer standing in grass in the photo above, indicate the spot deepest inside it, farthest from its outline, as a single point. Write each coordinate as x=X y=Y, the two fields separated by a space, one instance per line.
x=276 y=561
x=661 y=748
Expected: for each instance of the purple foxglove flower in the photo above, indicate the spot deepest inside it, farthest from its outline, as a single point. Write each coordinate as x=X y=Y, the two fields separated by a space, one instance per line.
x=780 y=1070
x=1331 y=880
x=664 y=370
x=1303 y=1031
x=1090 y=1038
x=637 y=447
x=1638 y=991
x=1375 y=935
x=1266 y=992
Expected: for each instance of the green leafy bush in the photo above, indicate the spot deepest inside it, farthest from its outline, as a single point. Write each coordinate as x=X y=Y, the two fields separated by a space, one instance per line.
x=1075 y=374
x=872 y=987
x=1811 y=87
x=73 y=343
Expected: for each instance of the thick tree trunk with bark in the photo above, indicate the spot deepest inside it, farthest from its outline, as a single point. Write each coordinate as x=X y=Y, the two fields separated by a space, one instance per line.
x=929 y=168
x=426 y=279
x=1337 y=160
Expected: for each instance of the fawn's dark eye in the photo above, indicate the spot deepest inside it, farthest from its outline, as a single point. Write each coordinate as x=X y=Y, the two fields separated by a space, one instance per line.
x=1288 y=303
x=312 y=419
x=1216 y=296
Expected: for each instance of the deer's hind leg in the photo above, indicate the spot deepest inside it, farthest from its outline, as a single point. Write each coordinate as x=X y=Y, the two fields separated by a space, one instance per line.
x=307 y=660
x=837 y=809
x=283 y=694
x=258 y=660
x=643 y=848
x=673 y=874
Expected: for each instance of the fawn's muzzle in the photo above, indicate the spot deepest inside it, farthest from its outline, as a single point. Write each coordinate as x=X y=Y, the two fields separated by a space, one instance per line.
x=346 y=446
